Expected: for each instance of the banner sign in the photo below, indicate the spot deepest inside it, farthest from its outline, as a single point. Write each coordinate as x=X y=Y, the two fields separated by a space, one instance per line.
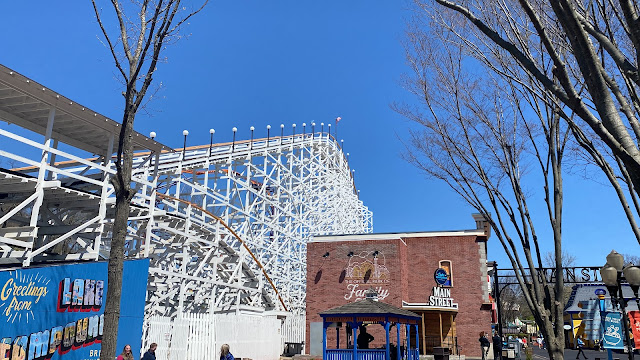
x=634 y=320
x=56 y=312
x=613 y=331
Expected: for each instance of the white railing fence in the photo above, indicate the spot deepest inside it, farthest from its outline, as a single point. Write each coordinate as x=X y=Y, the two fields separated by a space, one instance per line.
x=200 y=336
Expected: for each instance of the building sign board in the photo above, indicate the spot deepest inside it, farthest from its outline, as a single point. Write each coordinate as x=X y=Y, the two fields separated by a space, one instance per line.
x=364 y=272
x=441 y=298
x=56 y=312
x=441 y=276
x=570 y=275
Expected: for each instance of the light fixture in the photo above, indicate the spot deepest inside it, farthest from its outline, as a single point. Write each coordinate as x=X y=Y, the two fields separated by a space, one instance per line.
x=233 y=143
x=251 y=142
x=612 y=275
x=632 y=274
x=325 y=255
x=375 y=254
x=609 y=275
x=152 y=135
x=268 y=133
x=616 y=260
x=350 y=254
x=184 y=145
x=211 y=131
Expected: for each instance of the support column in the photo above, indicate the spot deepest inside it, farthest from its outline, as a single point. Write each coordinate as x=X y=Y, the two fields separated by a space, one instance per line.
x=496 y=291
x=440 y=319
x=417 y=342
x=424 y=333
x=408 y=337
x=152 y=206
x=104 y=194
x=398 y=342
x=386 y=330
x=354 y=326
x=51 y=175
x=324 y=339
x=35 y=212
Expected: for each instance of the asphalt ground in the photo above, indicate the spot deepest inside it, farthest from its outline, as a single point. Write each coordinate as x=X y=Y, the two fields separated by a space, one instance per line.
x=570 y=354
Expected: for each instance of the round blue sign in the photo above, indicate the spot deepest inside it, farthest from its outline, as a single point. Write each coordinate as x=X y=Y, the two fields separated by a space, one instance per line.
x=441 y=276
x=601 y=292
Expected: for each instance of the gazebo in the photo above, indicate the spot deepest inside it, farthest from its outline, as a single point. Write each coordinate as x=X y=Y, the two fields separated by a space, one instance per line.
x=370 y=311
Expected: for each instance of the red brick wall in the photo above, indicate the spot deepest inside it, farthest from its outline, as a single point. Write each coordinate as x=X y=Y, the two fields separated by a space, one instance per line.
x=411 y=269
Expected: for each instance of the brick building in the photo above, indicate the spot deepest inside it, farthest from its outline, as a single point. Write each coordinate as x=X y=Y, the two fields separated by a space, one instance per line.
x=441 y=276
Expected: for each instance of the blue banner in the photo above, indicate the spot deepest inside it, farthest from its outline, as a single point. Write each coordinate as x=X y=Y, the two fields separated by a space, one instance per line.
x=613 y=331
x=56 y=312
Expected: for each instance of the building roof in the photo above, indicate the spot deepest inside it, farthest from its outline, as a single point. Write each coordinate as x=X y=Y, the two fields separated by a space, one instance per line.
x=369 y=307
x=400 y=235
x=27 y=103
x=583 y=298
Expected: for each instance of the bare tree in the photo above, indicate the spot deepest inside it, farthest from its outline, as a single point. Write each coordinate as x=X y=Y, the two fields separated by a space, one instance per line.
x=576 y=59
x=489 y=141
x=565 y=258
x=584 y=53
x=144 y=29
x=631 y=259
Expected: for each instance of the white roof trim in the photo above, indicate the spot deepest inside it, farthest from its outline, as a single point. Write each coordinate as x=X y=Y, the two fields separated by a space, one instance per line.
x=425 y=306
x=392 y=236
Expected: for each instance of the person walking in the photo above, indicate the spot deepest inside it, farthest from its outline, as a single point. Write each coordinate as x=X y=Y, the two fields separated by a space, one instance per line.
x=126 y=353
x=151 y=353
x=484 y=344
x=580 y=351
x=497 y=346
x=225 y=354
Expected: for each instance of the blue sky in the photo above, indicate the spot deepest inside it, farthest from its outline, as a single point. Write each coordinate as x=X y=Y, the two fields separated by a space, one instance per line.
x=254 y=63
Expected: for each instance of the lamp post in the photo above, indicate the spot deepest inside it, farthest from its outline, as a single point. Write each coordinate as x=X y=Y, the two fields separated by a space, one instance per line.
x=614 y=274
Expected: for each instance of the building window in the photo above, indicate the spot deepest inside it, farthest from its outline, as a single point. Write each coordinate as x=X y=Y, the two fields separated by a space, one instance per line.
x=446 y=265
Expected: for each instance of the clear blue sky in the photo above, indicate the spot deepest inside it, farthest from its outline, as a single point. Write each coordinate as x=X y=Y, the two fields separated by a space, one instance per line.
x=254 y=63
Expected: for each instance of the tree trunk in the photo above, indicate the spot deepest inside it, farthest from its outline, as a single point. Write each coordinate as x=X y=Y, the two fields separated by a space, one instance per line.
x=122 y=184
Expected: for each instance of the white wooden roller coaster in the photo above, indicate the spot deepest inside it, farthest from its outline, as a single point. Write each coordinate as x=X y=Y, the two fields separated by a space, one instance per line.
x=225 y=226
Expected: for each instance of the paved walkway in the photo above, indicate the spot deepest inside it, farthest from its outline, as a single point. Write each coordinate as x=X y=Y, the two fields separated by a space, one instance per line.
x=570 y=354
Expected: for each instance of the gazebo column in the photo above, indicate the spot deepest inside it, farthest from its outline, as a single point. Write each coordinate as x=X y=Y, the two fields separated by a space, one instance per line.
x=386 y=330
x=354 y=326
x=417 y=341
x=398 y=342
x=324 y=338
x=408 y=336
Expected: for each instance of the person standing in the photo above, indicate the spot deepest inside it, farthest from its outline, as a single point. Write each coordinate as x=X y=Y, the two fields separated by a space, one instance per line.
x=225 y=354
x=580 y=351
x=364 y=338
x=484 y=345
x=151 y=353
x=126 y=353
x=497 y=346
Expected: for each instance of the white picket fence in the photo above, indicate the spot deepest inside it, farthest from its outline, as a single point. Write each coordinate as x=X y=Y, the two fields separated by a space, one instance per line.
x=200 y=336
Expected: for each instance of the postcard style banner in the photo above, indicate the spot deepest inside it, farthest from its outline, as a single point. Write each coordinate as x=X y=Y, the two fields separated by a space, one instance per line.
x=612 y=336
x=634 y=321
x=56 y=312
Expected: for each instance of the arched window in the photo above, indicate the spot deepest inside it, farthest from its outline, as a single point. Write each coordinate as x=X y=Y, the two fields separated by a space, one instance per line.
x=446 y=265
